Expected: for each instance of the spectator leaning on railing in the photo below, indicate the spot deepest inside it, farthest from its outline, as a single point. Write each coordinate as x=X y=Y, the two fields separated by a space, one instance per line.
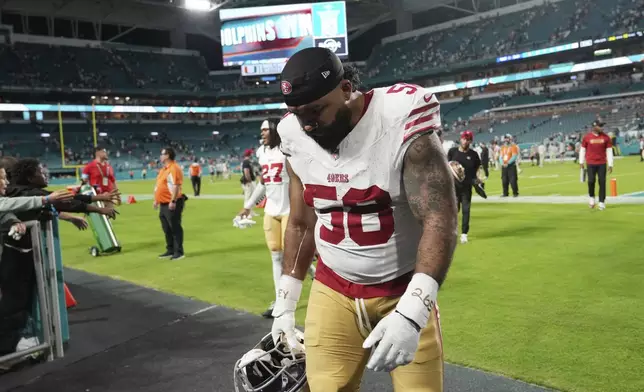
x=16 y=277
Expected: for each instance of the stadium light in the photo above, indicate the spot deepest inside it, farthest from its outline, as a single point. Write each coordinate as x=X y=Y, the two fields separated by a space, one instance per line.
x=93 y=96
x=198 y=5
x=117 y=98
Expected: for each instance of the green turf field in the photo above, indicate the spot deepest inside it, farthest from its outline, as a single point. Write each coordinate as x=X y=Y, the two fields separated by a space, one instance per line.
x=545 y=293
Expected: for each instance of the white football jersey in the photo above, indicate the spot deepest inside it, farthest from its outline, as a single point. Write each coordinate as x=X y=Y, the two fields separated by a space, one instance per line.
x=275 y=178
x=365 y=230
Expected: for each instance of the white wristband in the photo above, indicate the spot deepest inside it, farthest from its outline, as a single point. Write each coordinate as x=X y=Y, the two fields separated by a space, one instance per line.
x=288 y=295
x=419 y=299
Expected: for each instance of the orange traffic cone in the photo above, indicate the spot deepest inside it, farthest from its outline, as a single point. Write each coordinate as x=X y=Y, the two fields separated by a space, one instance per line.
x=131 y=200
x=70 y=301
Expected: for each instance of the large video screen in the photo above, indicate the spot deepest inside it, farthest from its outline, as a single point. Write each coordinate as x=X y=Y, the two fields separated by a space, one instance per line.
x=261 y=39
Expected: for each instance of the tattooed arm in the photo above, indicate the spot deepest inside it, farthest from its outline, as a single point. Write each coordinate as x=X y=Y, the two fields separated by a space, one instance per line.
x=299 y=239
x=430 y=192
x=429 y=186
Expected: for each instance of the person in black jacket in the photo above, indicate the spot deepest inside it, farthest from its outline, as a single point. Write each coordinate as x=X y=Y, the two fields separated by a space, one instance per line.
x=485 y=161
x=27 y=179
x=470 y=162
x=17 y=275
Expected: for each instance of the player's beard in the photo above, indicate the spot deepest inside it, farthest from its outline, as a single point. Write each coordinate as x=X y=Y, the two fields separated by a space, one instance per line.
x=330 y=136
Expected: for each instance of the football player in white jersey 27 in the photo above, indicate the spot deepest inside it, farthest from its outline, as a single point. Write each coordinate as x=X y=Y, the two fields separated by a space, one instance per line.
x=274 y=185
x=371 y=188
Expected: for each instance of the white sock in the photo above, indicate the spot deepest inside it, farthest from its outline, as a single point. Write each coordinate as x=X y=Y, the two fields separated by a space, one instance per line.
x=277 y=258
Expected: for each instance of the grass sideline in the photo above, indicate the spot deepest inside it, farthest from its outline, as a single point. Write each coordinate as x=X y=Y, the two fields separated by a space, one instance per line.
x=543 y=293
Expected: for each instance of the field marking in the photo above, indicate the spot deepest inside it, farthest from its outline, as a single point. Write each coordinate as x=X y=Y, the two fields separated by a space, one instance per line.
x=556 y=200
x=571 y=182
x=544 y=176
x=581 y=199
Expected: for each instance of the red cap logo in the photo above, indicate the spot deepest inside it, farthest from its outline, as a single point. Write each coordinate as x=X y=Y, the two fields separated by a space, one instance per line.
x=286 y=87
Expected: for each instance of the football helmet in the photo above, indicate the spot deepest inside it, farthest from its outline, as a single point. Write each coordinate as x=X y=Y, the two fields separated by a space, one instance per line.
x=457 y=170
x=271 y=368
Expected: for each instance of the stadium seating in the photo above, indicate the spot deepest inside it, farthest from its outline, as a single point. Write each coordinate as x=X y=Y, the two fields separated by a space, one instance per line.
x=138 y=145
x=131 y=68
x=551 y=23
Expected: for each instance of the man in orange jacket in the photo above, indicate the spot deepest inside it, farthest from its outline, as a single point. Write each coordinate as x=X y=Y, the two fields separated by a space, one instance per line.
x=508 y=158
x=195 y=176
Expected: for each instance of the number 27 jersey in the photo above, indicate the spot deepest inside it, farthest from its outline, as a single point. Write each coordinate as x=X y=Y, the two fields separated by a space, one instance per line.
x=275 y=179
x=365 y=231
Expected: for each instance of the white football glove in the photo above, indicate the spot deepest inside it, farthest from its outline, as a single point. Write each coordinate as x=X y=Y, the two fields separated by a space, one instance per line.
x=284 y=312
x=243 y=222
x=399 y=332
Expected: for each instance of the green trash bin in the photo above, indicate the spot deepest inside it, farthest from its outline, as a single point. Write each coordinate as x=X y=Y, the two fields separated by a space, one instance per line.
x=101 y=226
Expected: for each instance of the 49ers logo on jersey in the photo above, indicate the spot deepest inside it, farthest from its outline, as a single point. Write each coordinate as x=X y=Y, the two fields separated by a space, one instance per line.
x=336 y=177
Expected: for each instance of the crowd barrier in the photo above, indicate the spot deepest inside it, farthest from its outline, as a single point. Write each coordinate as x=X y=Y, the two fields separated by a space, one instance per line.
x=50 y=311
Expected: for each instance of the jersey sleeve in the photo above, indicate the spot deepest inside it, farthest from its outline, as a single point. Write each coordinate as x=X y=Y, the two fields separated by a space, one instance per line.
x=477 y=160
x=111 y=175
x=450 y=154
x=285 y=129
x=418 y=113
x=584 y=142
x=609 y=142
x=177 y=175
x=86 y=172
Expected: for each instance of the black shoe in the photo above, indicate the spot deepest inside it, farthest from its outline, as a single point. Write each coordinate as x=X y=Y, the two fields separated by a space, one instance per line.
x=177 y=257
x=166 y=255
x=268 y=313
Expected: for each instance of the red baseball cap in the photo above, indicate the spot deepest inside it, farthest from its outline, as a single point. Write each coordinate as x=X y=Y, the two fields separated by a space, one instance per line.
x=467 y=135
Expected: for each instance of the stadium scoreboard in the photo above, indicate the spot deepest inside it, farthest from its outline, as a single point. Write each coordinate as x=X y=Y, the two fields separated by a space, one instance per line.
x=261 y=39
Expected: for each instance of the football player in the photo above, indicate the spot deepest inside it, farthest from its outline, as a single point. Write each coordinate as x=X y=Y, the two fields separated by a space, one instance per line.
x=371 y=188
x=273 y=185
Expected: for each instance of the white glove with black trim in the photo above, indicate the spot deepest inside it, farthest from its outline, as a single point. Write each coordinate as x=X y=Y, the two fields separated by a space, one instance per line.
x=284 y=312
x=398 y=334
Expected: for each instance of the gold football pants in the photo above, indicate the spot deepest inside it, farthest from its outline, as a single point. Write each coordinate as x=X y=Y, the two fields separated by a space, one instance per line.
x=274 y=228
x=335 y=328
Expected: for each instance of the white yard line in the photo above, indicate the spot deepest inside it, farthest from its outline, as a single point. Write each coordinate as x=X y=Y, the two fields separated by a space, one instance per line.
x=552 y=199
x=568 y=182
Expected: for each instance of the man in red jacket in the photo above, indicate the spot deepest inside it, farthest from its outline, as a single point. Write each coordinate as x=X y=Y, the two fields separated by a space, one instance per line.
x=99 y=173
x=597 y=152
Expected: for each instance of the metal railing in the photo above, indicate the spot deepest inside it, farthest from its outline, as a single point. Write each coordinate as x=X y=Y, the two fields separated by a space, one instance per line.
x=43 y=250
